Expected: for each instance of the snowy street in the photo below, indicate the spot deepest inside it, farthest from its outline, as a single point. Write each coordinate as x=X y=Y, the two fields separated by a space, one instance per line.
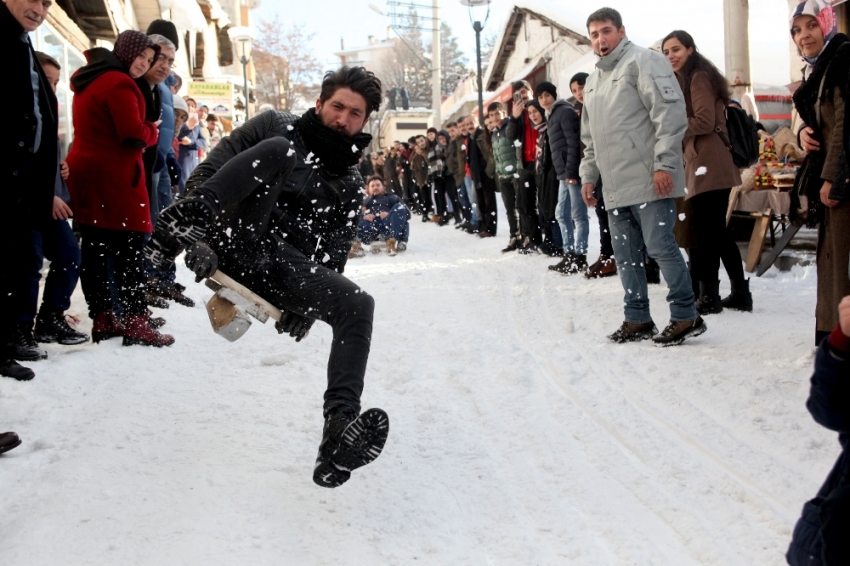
x=518 y=433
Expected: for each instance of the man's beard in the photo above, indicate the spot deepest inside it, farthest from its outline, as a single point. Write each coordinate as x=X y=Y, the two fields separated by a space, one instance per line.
x=340 y=129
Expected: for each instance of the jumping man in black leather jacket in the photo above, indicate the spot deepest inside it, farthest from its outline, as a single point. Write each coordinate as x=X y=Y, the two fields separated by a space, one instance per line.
x=275 y=205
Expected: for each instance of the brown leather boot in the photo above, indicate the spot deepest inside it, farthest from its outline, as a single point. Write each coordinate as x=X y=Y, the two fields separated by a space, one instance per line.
x=391 y=247
x=105 y=326
x=356 y=250
x=138 y=330
x=634 y=331
x=676 y=332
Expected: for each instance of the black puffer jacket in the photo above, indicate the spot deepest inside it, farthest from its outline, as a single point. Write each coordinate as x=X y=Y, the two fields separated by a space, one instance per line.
x=564 y=139
x=317 y=211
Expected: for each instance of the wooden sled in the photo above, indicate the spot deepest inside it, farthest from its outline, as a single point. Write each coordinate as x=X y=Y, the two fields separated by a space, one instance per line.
x=231 y=308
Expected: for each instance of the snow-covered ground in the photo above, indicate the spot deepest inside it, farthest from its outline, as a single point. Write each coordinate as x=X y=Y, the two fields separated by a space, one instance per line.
x=518 y=434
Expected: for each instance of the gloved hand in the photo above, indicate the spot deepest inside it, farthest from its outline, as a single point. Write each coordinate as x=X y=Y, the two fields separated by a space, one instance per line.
x=201 y=259
x=295 y=325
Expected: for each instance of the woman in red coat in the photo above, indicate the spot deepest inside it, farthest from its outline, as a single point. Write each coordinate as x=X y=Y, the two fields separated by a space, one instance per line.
x=108 y=185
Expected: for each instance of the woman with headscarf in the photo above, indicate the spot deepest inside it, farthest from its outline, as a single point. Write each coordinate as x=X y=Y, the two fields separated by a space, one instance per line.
x=822 y=179
x=108 y=185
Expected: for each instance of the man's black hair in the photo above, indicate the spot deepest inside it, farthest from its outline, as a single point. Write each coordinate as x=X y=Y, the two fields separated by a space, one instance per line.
x=606 y=15
x=358 y=79
x=521 y=84
x=411 y=139
x=45 y=59
x=580 y=78
x=495 y=107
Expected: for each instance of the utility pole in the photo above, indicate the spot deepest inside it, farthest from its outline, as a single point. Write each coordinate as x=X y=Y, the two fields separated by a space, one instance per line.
x=436 y=87
x=736 y=19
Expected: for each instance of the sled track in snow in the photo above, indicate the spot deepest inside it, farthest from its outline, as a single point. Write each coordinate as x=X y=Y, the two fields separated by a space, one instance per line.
x=665 y=427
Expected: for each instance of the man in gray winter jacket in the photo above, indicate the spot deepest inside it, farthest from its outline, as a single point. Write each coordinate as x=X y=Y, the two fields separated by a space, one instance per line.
x=632 y=126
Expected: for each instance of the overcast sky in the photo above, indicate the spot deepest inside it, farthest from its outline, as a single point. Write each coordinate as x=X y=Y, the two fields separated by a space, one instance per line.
x=646 y=22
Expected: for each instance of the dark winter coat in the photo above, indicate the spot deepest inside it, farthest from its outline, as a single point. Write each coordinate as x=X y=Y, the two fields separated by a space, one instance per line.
x=26 y=173
x=821 y=535
x=480 y=158
x=456 y=161
x=390 y=175
x=378 y=204
x=547 y=184
x=437 y=160
x=107 y=182
x=564 y=139
x=505 y=152
x=316 y=209
x=153 y=112
x=419 y=166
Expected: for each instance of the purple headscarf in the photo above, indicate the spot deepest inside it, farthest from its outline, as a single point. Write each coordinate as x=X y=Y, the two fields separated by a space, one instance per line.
x=130 y=44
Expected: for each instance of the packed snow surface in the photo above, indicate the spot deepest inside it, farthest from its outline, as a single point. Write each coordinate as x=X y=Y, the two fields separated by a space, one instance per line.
x=518 y=433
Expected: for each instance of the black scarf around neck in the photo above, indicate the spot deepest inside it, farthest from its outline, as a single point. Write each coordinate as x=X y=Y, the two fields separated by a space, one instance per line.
x=336 y=152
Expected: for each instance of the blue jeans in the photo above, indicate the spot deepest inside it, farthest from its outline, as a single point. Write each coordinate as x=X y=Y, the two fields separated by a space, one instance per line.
x=470 y=195
x=57 y=243
x=649 y=228
x=395 y=225
x=571 y=214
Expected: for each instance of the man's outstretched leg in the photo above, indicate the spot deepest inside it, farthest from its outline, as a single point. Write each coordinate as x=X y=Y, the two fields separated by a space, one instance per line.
x=302 y=288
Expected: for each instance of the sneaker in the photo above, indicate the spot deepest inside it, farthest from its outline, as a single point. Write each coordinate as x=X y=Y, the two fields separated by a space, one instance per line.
x=138 y=331
x=676 y=332
x=513 y=245
x=53 y=327
x=172 y=294
x=349 y=442
x=11 y=368
x=578 y=264
x=563 y=266
x=634 y=331
x=106 y=325
x=23 y=346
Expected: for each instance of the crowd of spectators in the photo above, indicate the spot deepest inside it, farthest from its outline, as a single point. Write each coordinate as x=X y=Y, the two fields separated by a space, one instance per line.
x=667 y=173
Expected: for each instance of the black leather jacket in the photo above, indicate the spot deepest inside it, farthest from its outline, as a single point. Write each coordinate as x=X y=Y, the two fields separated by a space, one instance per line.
x=317 y=212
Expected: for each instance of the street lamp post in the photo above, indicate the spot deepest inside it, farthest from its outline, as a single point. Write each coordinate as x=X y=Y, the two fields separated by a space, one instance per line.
x=478 y=26
x=244 y=36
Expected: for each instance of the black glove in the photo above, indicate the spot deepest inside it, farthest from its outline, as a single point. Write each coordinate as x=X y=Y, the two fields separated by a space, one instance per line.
x=201 y=259
x=295 y=325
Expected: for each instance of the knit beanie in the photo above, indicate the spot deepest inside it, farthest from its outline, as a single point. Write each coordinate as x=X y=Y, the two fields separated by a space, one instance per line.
x=546 y=87
x=433 y=130
x=167 y=30
x=180 y=104
x=130 y=44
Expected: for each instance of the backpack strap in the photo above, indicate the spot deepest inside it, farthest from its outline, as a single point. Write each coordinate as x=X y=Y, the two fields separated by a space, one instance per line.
x=720 y=133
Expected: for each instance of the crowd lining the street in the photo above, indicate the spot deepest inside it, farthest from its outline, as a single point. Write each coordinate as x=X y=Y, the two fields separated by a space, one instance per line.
x=653 y=126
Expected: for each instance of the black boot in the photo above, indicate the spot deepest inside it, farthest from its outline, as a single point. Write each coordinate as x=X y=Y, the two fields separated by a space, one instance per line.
x=51 y=326
x=349 y=442
x=23 y=346
x=740 y=299
x=709 y=298
x=11 y=368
